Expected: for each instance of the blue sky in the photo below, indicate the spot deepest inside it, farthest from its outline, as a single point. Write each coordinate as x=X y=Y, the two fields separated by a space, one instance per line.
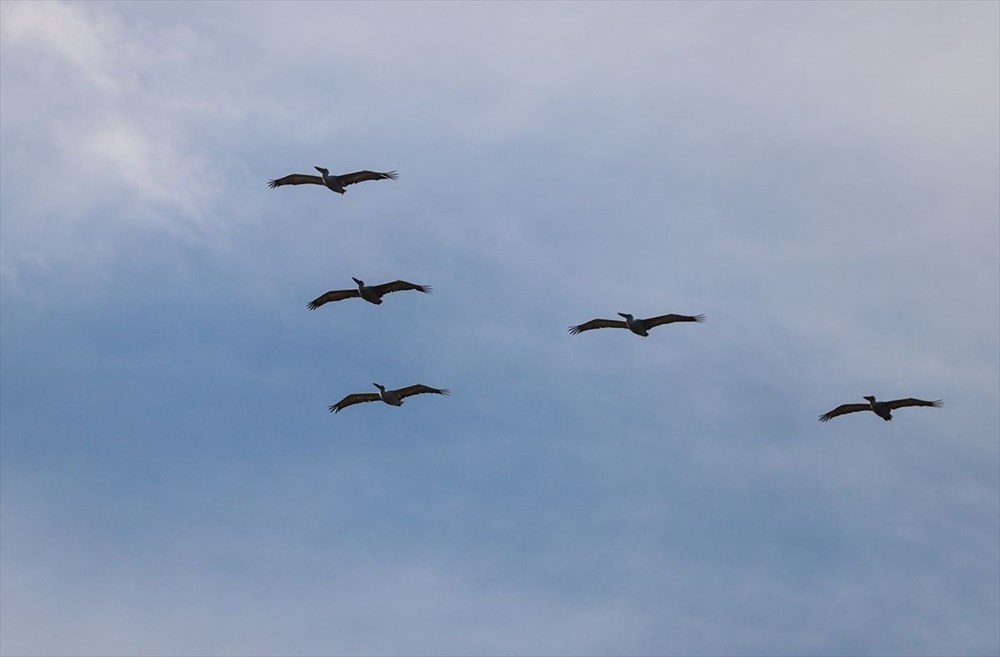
x=819 y=179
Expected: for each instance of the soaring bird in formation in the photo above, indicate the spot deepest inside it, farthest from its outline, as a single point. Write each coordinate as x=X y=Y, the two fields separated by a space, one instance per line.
x=637 y=326
x=370 y=293
x=336 y=183
x=374 y=293
x=883 y=409
x=391 y=397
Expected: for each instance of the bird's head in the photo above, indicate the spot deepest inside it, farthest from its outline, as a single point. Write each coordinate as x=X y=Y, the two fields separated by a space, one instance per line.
x=382 y=388
x=360 y=282
x=325 y=172
x=869 y=398
x=625 y=315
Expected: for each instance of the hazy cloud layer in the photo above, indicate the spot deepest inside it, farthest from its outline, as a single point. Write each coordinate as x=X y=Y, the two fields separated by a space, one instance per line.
x=819 y=179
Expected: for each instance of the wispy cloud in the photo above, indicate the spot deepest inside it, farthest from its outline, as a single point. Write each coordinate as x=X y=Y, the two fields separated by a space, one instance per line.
x=819 y=179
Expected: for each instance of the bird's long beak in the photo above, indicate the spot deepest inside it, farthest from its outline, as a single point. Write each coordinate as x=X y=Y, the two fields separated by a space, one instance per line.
x=322 y=170
x=357 y=280
x=623 y=314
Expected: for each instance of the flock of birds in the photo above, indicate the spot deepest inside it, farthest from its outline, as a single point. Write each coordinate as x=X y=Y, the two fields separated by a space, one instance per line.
x=374 y=293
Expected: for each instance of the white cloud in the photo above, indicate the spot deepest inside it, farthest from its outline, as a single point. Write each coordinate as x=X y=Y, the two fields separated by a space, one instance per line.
x=819 y=179
x=69 y=33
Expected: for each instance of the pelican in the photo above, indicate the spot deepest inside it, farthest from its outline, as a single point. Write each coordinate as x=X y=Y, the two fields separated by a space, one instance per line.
x=370 y=293
x=391 y=397
x=336 y=183
x=637 y=326
x=883 y=409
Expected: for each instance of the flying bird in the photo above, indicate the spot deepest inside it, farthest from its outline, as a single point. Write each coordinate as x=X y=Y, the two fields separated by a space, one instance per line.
x=883 y=409
x=370 y=293
x=391 y=397
x=336 y=183
x=637 y=326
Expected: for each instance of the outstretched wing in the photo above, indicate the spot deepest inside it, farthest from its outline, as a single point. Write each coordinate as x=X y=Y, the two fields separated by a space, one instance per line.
x=356 y=398
x=418 y=389
x=910 y=401
x=670 y=319
x=844 y=409
x=361 y=176
x=295 y=179
x=332 y=295
x=400 y=286
x=596 y=324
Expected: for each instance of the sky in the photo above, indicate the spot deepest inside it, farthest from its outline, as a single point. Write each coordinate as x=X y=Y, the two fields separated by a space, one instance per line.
x=821 y=180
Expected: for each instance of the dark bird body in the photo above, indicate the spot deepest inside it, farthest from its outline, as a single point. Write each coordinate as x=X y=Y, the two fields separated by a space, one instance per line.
x=391 y=397
x=637 y=326
x=335 y=183
x=370 y=293
x=883 y=409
